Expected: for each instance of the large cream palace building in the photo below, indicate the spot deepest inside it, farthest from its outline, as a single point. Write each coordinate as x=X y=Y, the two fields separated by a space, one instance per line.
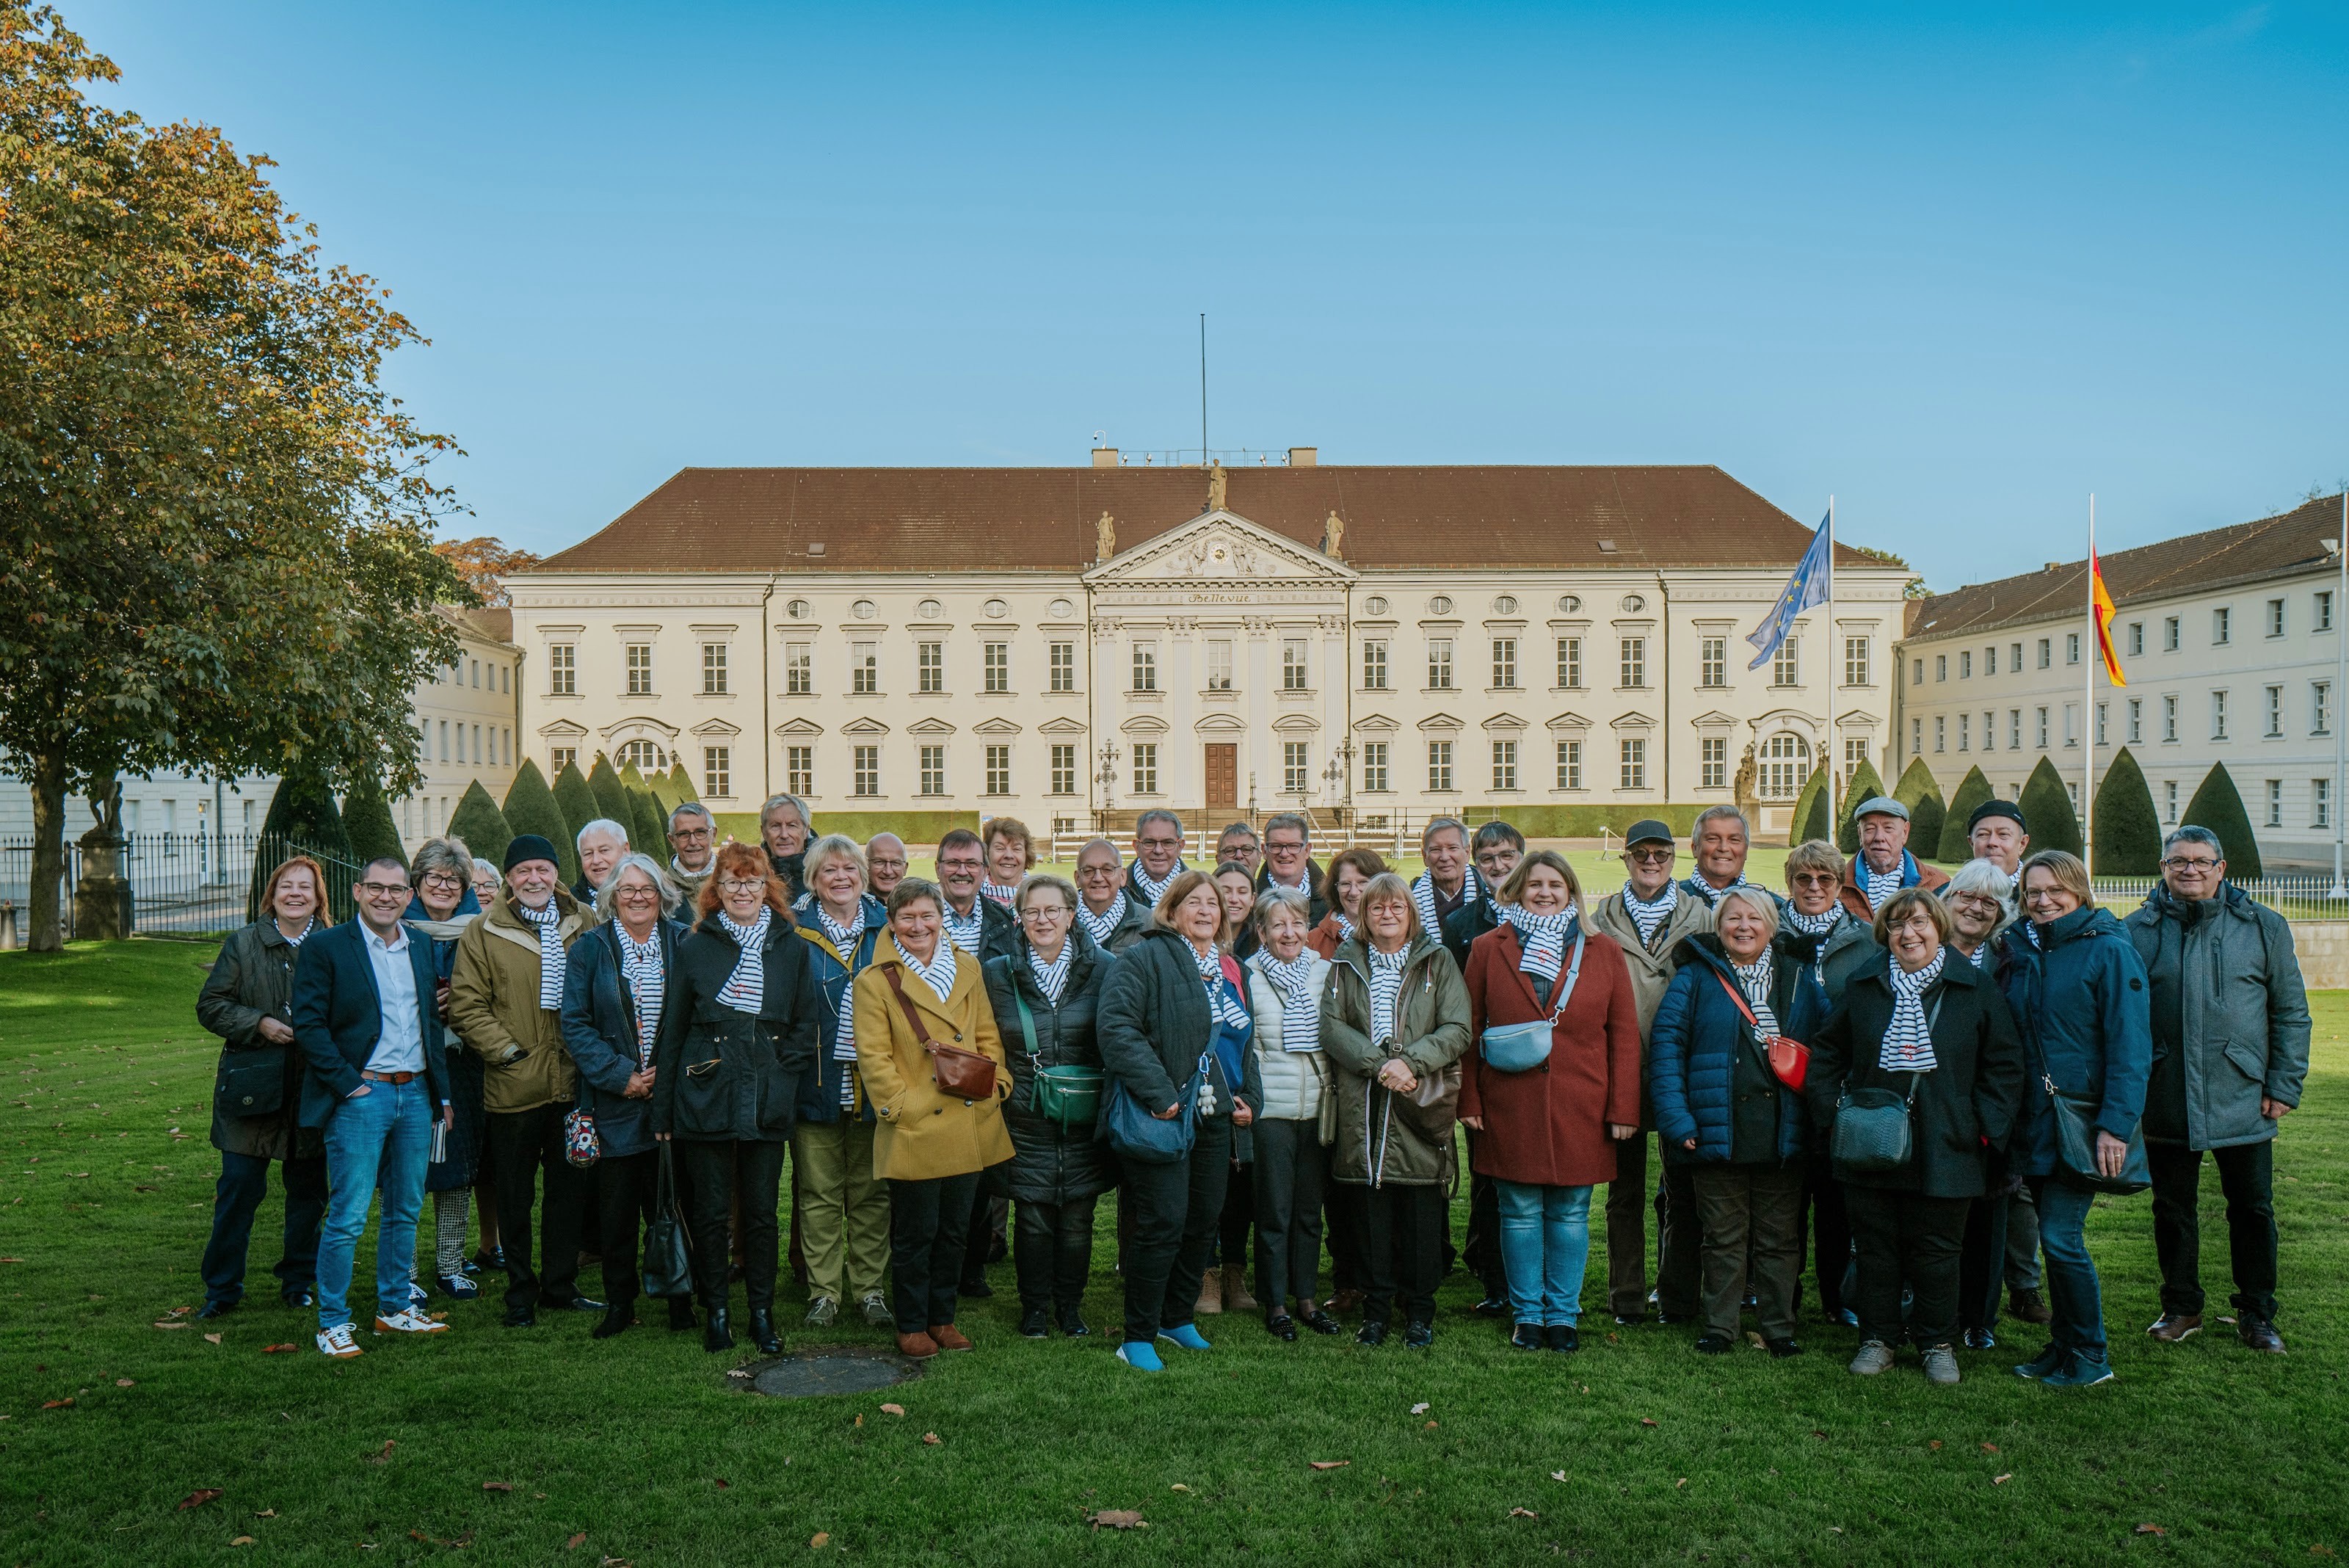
x=1075 y=645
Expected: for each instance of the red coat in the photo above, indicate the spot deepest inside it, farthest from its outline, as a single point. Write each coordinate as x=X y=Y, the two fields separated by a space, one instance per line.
x=1549 y=1126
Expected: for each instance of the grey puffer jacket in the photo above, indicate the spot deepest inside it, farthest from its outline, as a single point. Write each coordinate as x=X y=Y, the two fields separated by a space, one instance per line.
x=2229 y=1017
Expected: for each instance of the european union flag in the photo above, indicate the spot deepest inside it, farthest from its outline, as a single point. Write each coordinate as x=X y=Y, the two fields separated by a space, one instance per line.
x=1809 y=585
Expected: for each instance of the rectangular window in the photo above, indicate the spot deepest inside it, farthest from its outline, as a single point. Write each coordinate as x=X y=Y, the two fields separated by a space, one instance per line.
x=1713 y=662
x=1065 y=770
x=1569 y=663
x=1854 y=661
x=2275 y=711
x=1635 y=662
x=1635 y=765
x=1786 y=664
x=2320 y=793
x=2169 y=634
x=1941 y=733
x=640 y=669
x=1504 y=663
x=1966 y=665
x=2275 y=629
x=999 y=770
x=1854 y=753
x=2014 y=657
x=1219 y=665
x=562 y=757
x=1292 y=665
x=2101 y=710
x=1916 y=672
x=2222 y=627
x=1064 y=667
x=1439 y=767
x=866 y=773
x=713 y=670
x=2275 y=800
x=1965 y=731
x=2170 y=801
x=996 y=659
x=2043 y=645
x=1713 y=756
x=2324 y=610
x=1145 y=667
x=1569 y=764
x=2136 y=637
x=2014 y=729
x=1439 y=663
x=2040 y=728
x=1145 y=767
x=2321 y=708
x=718 y=771
x=929 y=667
x=2218 y=715
x=1504 y=764
x=1296 y=767
x=2072 y=648
x=1374 y=766
x=1916 y=737
x=798 y=669
x=933 y=770
x=864 y=672
x=2169 y=718
x=444 y=740
x=1989 y=659
x=799 y=770
x=1374 y=665
x=1941 y=667
x=2137 y=720
x=562 y=670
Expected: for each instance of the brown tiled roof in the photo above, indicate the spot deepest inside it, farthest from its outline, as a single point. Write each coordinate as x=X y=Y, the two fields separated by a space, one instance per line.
x=493 y=623
x=1042 y=519
x=2290 y=542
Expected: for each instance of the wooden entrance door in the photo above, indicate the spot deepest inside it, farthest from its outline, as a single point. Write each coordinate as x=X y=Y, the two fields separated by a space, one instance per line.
x=1223 y=777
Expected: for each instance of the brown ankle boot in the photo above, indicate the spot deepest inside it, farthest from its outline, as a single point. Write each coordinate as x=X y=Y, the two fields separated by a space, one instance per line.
x=1211 y=1295
x=948 y=1337
x=1236 y=1295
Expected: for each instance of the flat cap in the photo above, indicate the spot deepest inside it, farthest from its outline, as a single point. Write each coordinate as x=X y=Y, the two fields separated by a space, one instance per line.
x=1881 y=806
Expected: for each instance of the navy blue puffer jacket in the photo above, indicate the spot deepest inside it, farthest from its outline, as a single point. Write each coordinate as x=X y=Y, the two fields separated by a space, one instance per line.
x=1693 y=1052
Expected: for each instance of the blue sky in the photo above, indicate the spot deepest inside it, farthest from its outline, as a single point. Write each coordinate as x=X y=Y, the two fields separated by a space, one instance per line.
x=1957 y=266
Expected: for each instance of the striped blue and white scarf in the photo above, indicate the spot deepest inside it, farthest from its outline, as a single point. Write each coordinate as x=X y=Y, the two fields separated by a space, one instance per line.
x=1386 y=985
x=640 y=966
x=1755 y=980
x=1710 y=894
x=1300 y=1019
x=1152 y=887
x=1650 y=917
x=1543 y=939
x=964 y=931
x=1000 y=893
x=938 y=974
x=1052 y=978
x=1101 y=927
x=1881 y=885
x=745 y=990
x=548 y=920
x=1980 y=955
x=1908 y=1041
x=1222 y=1001
x=1345 y=926
x=1423 y=899
x=843 y=938
x=1814 y=926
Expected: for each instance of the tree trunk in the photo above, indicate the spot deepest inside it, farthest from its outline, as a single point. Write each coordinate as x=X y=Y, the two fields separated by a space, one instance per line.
x=48 y=851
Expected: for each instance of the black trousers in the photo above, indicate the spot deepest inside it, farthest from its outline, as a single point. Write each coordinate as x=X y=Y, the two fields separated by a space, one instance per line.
x=1052 y=1252
x=1238 y=1217
x=243 y=1183
x=1982 y=1260
x=1904 y=1236
x=1174 y=1209
x=625 y=1187
x=1680 y=1242
x=990 y=1213
x=1482 y=1251
x=524 y=1146
x=1830 y=1231
x=1290 y=1171
x=1406 y=1251
x=1345 y=1229
x=2247 y=1180
x=711 y=1170
x=929 y=1222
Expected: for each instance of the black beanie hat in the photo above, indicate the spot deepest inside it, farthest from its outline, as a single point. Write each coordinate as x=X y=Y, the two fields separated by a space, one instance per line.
x=530 y=847
x=1996 y=809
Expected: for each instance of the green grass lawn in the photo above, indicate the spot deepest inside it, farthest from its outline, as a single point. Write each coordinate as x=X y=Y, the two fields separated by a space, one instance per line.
x=642 y=1449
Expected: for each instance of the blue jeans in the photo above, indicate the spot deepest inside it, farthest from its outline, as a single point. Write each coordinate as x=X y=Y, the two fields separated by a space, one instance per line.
x=1545 y=1245
x=243 y=1183
x=2073 y=1293
x=384 y=1136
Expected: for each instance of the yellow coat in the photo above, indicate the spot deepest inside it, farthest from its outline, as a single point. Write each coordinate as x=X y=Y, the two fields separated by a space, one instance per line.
x=922 y=1134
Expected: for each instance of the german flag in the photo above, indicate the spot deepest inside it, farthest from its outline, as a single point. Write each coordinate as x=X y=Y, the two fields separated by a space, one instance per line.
x=2101 y=606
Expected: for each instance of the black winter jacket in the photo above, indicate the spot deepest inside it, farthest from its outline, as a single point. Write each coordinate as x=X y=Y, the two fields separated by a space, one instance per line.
x=719 y=1074
x=1153 y=1024
x=1049 y=1165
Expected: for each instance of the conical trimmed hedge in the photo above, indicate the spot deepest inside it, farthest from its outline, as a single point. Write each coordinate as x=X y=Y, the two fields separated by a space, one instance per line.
x=575 y=798
x=530 y=807
x=2047 y=811
x=1812 y=787
x=1817 y=822
x=2218 y=807
x=302 y=819
x=1862 y=787
x=2128 y=827
x=611 y=798
x=478 y=821
x=367 y=819
x=644 y=821
x=683 y=782
x=1972 y=791
x=1925 y=819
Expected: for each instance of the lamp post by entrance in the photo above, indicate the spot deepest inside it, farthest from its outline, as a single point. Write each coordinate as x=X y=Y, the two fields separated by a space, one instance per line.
x=1107 y=779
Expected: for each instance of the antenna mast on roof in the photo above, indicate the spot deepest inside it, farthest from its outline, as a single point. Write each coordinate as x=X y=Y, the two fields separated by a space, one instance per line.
x=1203 y=390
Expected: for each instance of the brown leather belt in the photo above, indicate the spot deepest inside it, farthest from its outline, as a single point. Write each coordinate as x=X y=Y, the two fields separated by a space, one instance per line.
x=391 y=1077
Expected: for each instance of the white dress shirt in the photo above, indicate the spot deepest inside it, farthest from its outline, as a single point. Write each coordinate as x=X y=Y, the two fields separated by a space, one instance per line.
x=400 y=1048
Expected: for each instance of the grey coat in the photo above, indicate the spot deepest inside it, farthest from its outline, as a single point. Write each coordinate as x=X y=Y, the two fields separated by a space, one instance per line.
x=2229 y=1018
x=251 y=980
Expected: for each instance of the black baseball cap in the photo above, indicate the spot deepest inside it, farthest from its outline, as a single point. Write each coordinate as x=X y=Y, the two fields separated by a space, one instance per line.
x=1997 y=808
x=1648 y=830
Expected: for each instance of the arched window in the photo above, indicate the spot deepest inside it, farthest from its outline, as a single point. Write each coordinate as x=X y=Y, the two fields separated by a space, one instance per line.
x=643 y=756
x=1785 y=764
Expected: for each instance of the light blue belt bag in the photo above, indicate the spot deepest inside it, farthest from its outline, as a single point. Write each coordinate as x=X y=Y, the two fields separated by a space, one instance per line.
x=1521 y=1047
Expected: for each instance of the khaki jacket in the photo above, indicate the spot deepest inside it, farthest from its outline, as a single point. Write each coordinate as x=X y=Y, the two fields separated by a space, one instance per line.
x=493 y=1006
x=1652 y=964
x=1378 y=1144
x=921 y=1135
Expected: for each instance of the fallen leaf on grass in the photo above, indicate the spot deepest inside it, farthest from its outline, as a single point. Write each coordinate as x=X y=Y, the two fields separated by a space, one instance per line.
x=197 y=1498
x=820 y=1540
x=166 y=1324
x=1328 y=1464
x=1989 y=1448
x=2150 y=1530
x=575 y=1543
x=1647 y=1420
x=1178 y=1486
x=739 y=1372
x=893 y=1409
x=2319 y=1549
x=929 y=1439
x=723 y=1483
x=1558 y=1475
x=273 y=1350
x=11 y=1259
x=1419 y=1408
x=382 y=1456
x=860 y=1420
x=1429 y=1428
x=1682 y=1483
x=1818 y=1433
x=1522 y=1513
x=126 y=1383
x=241 y=1540
x=1754 y=1340
x=497 y=1486
x=266 y=1513
x=55 y=1403
x=2001 y=1480
x=211 y=1339
x=1116 y=1519
x=1934 y=1444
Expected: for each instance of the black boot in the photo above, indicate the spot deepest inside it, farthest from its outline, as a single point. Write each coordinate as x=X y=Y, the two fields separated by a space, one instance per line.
x=680 y=1315
x=715 y=1335
x=618 y=1319
x=763 y=1332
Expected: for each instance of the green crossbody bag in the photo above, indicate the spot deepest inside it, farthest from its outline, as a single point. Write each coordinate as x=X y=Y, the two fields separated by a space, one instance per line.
x=1069 y=1097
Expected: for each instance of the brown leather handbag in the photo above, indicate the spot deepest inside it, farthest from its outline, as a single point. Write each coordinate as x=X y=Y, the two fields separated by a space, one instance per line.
x=963 y=1074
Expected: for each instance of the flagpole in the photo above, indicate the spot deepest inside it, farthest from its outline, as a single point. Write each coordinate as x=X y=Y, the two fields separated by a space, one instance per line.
x=2087 y=709
x=2340 y=685
x=1832 y=759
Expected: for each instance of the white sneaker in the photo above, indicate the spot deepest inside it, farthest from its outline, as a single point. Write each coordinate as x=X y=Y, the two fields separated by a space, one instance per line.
x=336 y=1342
x=407 y=1322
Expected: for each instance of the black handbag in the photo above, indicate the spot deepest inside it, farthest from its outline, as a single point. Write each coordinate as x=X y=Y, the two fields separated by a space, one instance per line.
x=1875 y=1130
x=251 y=1083
x=2075 y=1146
x=668 y=1250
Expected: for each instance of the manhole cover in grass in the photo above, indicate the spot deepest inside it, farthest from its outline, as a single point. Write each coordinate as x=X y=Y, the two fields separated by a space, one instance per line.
x=832 y=1372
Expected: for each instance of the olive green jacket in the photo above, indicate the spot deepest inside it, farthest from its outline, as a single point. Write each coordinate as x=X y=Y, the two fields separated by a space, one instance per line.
x=1382 y=1140
x=493 y=1006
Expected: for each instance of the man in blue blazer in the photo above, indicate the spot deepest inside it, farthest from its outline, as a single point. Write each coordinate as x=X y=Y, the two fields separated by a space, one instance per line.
x=366 y=1021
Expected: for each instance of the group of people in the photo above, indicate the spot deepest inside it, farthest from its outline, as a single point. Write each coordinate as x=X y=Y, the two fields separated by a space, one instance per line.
x=1927 y=1079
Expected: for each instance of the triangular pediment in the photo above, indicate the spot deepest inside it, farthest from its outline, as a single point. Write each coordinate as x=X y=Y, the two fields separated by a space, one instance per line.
x=798 y=727
x=865 y=727
x=995 y=727
x=1857 y=719
x=930 y=727
x=1220 y=546
x=562 y=730
x=1716 y=720
x=1062 y=727
x=716 y=727
x=1570 y=721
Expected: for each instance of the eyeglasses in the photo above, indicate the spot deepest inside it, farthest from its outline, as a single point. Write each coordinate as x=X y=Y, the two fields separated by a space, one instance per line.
x=441 y=879
x=729 y=886
x=1044 y=912
x=1093 y=873
x=634 y=894
x=2185 y=866
x=1812 y=879
x=1160 y=843
x=1282 y=846
x=381 y=889
x=690 y=834
x=958 y=865
x=1650 y=857
x=1975 y=901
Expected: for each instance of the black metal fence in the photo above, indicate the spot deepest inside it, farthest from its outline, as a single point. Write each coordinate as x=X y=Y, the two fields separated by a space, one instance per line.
x=190 y=882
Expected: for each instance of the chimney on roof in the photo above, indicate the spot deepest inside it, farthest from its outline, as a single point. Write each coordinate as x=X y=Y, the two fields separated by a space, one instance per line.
x=1104 y=457
x=2052 y=566
x=1304 y=456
